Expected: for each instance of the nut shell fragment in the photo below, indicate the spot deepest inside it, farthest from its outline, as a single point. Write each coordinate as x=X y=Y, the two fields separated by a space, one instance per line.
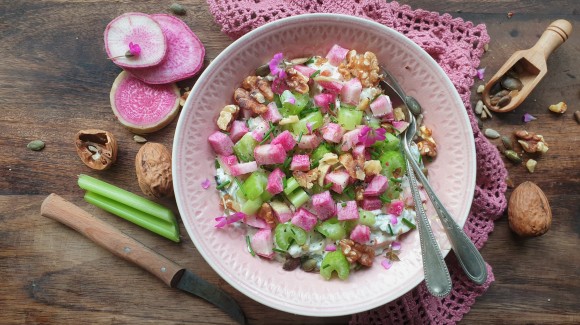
x=529 y=213
x=96 y=148
x=153 y=167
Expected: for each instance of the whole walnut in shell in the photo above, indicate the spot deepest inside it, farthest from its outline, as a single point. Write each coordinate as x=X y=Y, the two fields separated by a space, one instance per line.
x=529 y=213
x=153 y=167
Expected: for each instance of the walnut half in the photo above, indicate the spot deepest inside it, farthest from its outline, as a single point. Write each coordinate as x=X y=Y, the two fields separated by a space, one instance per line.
x=96 y=148
x=356 y=252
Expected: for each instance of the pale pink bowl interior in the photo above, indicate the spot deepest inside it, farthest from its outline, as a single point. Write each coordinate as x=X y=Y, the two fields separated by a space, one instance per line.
x=452 y=174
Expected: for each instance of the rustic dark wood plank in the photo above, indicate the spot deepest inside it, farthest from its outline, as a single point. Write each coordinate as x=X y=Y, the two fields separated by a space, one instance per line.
x=55 y=80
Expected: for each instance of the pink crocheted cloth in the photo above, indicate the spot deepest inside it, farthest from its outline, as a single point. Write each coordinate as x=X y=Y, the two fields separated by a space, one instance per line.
x=457 y=46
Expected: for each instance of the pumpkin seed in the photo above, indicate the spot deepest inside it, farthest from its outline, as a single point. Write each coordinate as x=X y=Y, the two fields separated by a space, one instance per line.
x=494 y=100
x=513 y=156
x=291 y=263
x=309 y=265
x=512 y=83
x=479 y=107
x=177 y=9
x=491 y=133
x=507 y=142
x=413 y=105
x=504 y=101
x=35 y=145
x=502 y=93
x=480 y=89
x=496 y=88
x=139 y=139
x=262 y=70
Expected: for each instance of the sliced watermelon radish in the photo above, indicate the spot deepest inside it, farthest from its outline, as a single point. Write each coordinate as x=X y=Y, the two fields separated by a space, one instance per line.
x=184 y=58
x=139 y=29
x=141 y=107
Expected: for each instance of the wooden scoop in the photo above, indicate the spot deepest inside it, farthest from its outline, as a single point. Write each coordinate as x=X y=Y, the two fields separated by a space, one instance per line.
x=529 y=66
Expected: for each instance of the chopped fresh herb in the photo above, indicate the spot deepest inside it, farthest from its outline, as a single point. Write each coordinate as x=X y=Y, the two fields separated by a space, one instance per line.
x=391 y=230
x=315 y=74
x=239 y=185
x=375 y=155
x=277 y=250
x=217 y=164
x=268 y=133
x=325 y=266
x=384 y=198
x=300 y=136
x=349 y=191
x=408 y=223
x=311 y=60
x=332 y=106
x=343 y=204
x=396 y=180
x=284 y=182
x=223 y=185
x=287 y=163
x=327 y=186
x=293 y=232
x=249 y=245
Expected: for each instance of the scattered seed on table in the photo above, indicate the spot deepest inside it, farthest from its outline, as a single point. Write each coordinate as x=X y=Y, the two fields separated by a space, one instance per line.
x=487 y=112
x=177 y=9
x=507 y=143
x=491 y=133
x=479 y=107
x=480 y=89
x=35 y=145
x=531 y=165
x=513 y=156
x=139 y=139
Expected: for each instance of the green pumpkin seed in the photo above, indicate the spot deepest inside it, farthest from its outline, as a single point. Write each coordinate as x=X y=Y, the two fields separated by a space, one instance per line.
x=507 y=143
x=177 y=9
x=35 y=145
x=491 y=133
x=413 y=105
x=512 y=83
x=513 y=156
x=504 y=101
x=309 y=265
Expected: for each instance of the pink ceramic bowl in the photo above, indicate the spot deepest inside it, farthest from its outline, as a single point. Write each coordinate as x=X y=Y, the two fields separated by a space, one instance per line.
x=452 y=173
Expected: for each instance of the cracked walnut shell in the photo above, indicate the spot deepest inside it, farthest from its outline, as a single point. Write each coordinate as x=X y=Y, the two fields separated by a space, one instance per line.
x=153 y=167
x=96 y=148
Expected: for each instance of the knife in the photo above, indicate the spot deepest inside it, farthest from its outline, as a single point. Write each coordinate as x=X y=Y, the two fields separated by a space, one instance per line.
x=108 y=237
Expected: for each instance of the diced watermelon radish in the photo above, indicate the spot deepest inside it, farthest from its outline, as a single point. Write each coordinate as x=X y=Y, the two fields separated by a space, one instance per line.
x=269 y=154
x=360 y=151
x=347 y=210
x=332 y=132
x=226 y=162
x=285 y=139
x=307 y=71
x=361 y=234
x=309 y=141
x=281 y=210
x=396 y=207
x=336 y=54
x=350 y=92
x=137 y=28
x=238 y=130
x=371 y=203
x=243 y=168
x=339 y=179
x=382 y=106
x=143 y=108
x=263 y=242
x=350 y=139
x=275 y=182
x=254 y=221
x=304 y=219
x=323 y=101
x=377 y=186
x=221 y=143
x=258 y=127
x=184 y=57
x=400 y=125
x=331 y=85
x=324 y=205
x=272 y=114
x=300 y=162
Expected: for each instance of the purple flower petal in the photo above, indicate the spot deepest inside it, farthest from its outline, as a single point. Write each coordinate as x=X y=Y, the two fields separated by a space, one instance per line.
x=134 y=49
x=276 y=68
x=396 y=246
x=394 y=219
x=309 y=127
x=206 y=184
x=480 y=73
x=291 y=100
x=330 y=248
x=236 y=217
x=222 y=222
x=528 y=118
x=386 y=264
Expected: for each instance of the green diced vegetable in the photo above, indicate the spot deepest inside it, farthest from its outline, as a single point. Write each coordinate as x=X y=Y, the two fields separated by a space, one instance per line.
x=367 y=218
x=334 y=261
x=244 y=148
x=320 y=151
x=251 y=206
x=391 y=142
x=300 y=102
x=298 y=197
x=286 y=233
x=315 y=120
x=255 y=185
x=291 y=185
x=393 y=163
x=332 y=229
x=266 y=196
x=349 y=118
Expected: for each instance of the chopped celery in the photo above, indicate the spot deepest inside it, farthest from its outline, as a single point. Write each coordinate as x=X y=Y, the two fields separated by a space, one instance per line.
x=298 y=197
x=285 y=233
x=255 y=185
x=244 y=148
x=251 y=206
x=334 y=261
x=367 y=218
x=320 y=151
x=315 y=120
x=266 y=196
x=391 y=142
x=393 y=163
x=349 y=225
x=291 y=185
x=349 y=118
x=300 y=102
x=332 y=229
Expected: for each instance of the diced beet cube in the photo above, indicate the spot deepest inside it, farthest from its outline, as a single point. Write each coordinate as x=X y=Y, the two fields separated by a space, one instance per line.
x=275 y=182
x=331 y=85
x=263 y=242
x=400 y=125
x=307 y=71
x=253 y=221
x=269 y=154
x=324 y=100
x=350 y=139
x=396 y=207
x=238 y=130
x=226 y=162
x=304 y=219
x=300 y=162
x=377 y=186
x=360 y=151
x=332 y=132
x=347 y=210
x=272 y=114
x=339 y=179
x=323 y=205
x=259 y=127
x=285 y=139
x=221 y=143
x=371 y=203
x=336 y=54
x=309 y=141
x=350 y=92
x=360 y=234
x=243 y=168
x=281 y=210
x=382 y=106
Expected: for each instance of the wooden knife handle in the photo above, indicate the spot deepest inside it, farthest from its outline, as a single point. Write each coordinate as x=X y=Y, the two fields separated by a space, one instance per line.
x=107 y=236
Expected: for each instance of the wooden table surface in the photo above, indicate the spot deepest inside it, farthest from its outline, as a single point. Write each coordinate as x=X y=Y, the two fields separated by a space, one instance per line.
x=55 y=80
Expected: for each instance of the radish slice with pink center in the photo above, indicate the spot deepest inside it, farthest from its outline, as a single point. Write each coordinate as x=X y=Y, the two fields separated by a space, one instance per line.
x=141 y=107
x=184 y=58
x=136 y=28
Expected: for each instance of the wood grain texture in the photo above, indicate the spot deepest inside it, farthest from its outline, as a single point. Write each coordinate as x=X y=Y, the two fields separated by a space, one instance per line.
x=55 y=80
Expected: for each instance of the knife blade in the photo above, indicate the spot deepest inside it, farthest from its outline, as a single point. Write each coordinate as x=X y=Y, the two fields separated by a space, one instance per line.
x=110 y=238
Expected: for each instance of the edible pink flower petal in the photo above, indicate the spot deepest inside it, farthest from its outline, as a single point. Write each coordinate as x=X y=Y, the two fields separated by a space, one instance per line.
x=291 y=100
x=480 y=73
x=396 y=246
x=276 y=68
x=386 y=264
x=134 y=49
x=330 y=248
x=309 y=127
x=221 y=222
x=394 y=219
x=206 y=184
x=528 y=118
x=226 y=220
x=368 y=136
